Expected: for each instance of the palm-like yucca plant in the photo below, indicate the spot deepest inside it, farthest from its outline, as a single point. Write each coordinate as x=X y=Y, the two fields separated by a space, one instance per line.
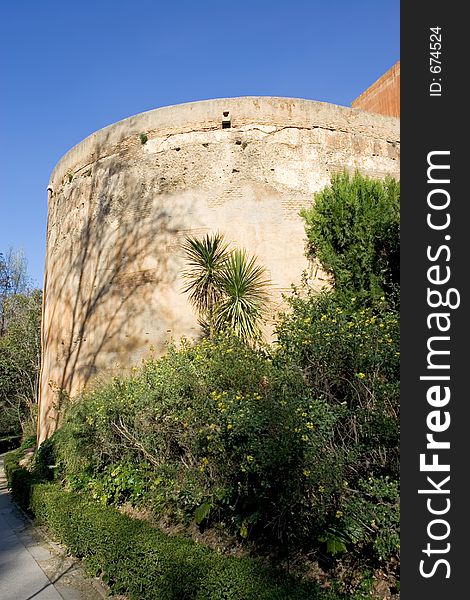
x=205 y=258
x=244 y=295
x=228 y=289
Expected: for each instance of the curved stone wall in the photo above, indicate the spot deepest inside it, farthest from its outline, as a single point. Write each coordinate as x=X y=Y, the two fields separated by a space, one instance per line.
x=119 y=210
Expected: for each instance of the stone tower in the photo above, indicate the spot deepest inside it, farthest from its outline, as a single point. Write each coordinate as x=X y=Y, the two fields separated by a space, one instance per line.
x=122 y=201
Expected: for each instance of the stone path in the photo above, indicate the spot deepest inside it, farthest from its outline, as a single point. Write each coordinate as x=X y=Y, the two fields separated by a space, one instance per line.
x=31 y=566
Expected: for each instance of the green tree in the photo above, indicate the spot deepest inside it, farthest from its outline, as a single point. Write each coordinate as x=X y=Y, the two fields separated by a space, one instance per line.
x=227 y=288
x=13 y=280
x=20 y=316
x=353 y=229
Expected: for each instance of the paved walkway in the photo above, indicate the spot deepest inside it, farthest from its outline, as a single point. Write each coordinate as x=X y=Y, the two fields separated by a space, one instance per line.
x=31 y=566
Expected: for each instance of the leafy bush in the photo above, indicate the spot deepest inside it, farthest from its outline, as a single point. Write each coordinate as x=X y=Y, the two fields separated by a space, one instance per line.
x=353 y=229
x=207 y=433
x=270 y=448
x=372 y=517
x=348 y=355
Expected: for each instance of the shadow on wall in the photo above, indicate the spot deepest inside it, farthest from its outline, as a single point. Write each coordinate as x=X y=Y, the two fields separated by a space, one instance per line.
x=109 y=243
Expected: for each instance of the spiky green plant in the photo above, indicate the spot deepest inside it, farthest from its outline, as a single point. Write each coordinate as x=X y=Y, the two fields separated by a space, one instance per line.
x=205 y=260
x=244 y=297
x=227 y=289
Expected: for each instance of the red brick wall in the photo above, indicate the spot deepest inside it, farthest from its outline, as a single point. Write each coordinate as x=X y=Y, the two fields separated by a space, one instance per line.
x=383 y=96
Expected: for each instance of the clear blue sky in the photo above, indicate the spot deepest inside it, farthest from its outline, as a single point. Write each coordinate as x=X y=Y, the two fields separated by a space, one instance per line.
x=70 y=68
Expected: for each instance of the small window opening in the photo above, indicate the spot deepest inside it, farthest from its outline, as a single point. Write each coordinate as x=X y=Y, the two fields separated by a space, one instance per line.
x=226 y=120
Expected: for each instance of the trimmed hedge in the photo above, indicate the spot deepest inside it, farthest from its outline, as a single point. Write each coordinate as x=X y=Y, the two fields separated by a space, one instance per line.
x=20 y=481
x=141 y=561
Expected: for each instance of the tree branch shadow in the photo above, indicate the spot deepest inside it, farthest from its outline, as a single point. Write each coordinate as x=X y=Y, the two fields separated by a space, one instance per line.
x=109 y=244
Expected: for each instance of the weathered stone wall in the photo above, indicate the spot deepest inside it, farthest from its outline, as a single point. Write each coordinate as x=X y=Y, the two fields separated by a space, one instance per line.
x=119 y=210
x=383 y=96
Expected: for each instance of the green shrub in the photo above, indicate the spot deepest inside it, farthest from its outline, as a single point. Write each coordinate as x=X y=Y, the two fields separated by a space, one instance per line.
x=353 y=229
x=372 y=516
x=348 y=355
x=245 y=579
x=19 y=480
x=208 y=433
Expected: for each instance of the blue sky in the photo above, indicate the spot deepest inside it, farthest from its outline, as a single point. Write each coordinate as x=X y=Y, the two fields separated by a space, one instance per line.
x=70 y=68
